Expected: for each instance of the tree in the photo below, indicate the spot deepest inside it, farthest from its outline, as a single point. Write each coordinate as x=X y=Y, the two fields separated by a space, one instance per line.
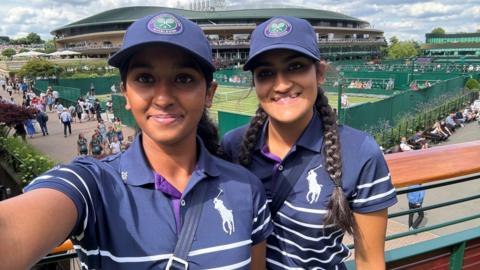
x=9 y=52
x=393 y=40
x=403 y=49
x=11 y=115
x=39 y=68
x=438 y=31
x=50 y=46
x=23 y=50
x=33 y=38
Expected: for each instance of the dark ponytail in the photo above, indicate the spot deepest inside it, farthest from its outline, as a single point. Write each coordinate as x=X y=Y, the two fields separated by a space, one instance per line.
x=251 y=137
x=339 y=212
x=208 y=132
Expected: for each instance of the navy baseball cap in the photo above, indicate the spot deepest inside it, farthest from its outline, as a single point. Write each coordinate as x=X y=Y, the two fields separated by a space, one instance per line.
x=165 y=28
x=283 y=32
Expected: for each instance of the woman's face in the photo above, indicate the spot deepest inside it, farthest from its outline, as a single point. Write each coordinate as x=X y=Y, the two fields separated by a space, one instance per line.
x=286 y=85
x=167 y=94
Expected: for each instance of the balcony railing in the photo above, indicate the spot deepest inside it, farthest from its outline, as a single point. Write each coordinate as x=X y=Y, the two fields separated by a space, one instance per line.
x=431 y=167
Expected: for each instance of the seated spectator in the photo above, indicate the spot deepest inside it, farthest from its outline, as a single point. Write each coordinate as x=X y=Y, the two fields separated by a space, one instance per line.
x=404 y=146
x=445 y=128
x=427 y=84
x=115 y=146
x=437 y=133
x=419 y=141
x=459 y=119
x=450 y=122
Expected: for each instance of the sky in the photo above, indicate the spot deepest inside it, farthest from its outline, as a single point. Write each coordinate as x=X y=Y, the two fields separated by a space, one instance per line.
x=407 y=19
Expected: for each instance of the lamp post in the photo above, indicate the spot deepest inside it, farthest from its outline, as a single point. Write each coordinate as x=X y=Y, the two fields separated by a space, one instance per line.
x=339 y=98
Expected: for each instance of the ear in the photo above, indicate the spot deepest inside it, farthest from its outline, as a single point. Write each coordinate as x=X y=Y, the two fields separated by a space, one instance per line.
x=210 y=94
x=128 y=107
x=320 y=69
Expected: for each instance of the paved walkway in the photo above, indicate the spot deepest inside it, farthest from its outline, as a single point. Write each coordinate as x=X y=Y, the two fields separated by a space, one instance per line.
x=55 y=145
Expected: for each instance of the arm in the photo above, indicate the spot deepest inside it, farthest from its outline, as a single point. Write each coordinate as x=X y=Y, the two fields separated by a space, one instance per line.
x=30 y=227
x=370 y=240
x=259 y=252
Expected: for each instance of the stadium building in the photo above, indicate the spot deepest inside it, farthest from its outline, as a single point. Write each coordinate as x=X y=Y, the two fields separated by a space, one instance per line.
x=341 y=37
x=452 y=45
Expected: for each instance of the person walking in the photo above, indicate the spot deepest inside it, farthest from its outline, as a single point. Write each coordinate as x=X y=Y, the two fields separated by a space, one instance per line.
x=42 y=119
x=66 y=119
x=415 y=201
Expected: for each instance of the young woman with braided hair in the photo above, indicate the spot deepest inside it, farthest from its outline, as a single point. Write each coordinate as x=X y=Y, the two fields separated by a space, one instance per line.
x=321 y=179
x=168 y=201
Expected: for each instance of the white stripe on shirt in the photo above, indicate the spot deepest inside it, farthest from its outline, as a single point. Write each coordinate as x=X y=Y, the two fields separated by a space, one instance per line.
x=284 y=253
x=282 y=265
x=304 y=236
x=374 y=197
x=383 y=179
x=267 y=220
x=306 y=210
x=308 y=225
x=290 y=242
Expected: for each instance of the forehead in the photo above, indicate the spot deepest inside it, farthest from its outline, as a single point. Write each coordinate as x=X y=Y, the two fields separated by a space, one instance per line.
x=161 y=55
x=278 y=56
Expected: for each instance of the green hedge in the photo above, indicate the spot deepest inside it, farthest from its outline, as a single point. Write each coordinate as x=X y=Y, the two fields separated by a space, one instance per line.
x=32 y=163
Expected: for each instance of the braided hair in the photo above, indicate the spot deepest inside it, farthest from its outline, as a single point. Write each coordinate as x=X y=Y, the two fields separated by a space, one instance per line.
x=339 y=212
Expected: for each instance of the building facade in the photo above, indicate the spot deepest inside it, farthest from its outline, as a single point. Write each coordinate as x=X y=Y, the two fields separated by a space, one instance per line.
x=340 y=37
x=452 y=45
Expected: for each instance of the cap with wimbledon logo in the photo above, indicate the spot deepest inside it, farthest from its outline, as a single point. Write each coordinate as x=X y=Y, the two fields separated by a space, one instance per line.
x=165 y=28
x=283 y=32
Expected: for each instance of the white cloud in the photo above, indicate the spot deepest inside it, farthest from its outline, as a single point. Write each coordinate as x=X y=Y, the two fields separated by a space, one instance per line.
x=406 y=19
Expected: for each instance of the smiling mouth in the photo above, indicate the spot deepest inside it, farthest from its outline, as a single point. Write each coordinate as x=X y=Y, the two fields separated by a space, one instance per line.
x=166 y=119
x=285 y=98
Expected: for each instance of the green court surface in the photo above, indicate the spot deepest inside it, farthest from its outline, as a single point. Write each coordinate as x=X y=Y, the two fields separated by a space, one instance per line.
x=244 y=100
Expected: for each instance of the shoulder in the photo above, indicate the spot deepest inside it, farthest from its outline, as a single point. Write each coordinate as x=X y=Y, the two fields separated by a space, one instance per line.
x=358 y=143
x=238 y=174
x=232 y=141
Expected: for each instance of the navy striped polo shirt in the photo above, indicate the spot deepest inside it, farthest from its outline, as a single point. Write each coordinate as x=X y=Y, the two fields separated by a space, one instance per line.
x=299 y=239
x=125 y=223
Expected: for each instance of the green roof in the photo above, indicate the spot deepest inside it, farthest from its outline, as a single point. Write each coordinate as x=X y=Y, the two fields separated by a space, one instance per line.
x=131 y=14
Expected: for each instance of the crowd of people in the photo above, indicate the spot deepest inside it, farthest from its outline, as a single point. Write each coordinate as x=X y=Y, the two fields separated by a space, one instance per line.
x=440 y=131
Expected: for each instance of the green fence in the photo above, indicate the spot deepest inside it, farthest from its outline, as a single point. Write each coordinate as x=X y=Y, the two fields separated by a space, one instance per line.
x=228 y=121
x=102 y=85
x=233 y=77
x=391 y=109
x=118 y=106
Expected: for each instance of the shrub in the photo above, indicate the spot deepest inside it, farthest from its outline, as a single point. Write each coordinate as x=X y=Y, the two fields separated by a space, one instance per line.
x=472 y=84
x=32 y=163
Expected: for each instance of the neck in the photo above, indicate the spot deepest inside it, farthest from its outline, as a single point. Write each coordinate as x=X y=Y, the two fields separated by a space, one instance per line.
x=282 y=136
x=174 y=162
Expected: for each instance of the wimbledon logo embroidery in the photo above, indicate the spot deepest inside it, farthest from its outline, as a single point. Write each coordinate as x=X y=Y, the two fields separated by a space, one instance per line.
x=165 y=24
x=226 y=214
x=278 y=28
x=314 y=188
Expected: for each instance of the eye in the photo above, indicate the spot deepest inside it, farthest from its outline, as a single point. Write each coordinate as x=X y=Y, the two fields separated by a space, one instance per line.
x=264 y=73
x=295 y=66
x=183 y=78
x=145 y=78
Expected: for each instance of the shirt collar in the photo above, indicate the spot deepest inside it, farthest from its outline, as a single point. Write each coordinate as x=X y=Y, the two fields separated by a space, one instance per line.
x=311 y=138
x=135 y=169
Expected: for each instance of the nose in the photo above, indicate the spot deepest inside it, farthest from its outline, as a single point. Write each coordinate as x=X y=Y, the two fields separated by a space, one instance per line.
x=282 y=83
x=163 y=94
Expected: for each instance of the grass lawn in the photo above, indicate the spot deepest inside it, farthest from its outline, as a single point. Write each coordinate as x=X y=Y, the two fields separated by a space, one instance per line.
x=244 y=101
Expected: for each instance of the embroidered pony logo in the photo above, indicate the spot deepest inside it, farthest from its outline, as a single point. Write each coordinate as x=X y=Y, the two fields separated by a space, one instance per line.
x=228 y=224
x=314 y=188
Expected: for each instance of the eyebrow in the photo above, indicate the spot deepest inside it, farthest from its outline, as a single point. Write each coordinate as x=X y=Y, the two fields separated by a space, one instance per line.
x=184 y=64
x=286 y=59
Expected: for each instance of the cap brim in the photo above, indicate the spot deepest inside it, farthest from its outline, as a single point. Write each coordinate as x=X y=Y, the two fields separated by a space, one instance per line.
x=248 y=64
x=118 y=59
